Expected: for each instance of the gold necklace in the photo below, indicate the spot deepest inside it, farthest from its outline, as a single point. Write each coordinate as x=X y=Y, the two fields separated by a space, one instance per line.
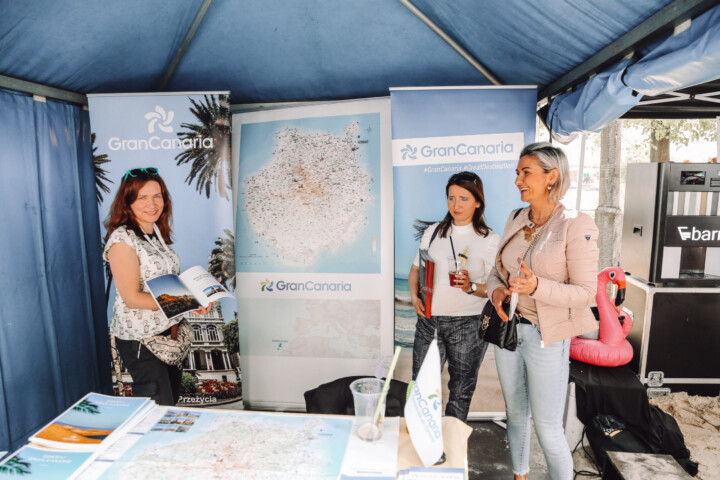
x=531 y=229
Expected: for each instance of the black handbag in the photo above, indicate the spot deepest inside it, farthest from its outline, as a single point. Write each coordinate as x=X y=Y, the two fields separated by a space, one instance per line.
x=494 y=330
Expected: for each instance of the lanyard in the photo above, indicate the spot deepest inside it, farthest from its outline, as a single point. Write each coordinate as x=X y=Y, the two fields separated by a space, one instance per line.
x=155 y=247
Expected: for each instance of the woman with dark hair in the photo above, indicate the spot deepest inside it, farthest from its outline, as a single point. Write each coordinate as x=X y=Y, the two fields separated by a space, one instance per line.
x=463 y=237
x=137 y=246
x=557 y=253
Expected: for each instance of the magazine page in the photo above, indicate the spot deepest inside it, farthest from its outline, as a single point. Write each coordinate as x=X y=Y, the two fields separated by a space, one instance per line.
x=91 y=422
x=172 y=296
x=39 y=463
x=204 y=286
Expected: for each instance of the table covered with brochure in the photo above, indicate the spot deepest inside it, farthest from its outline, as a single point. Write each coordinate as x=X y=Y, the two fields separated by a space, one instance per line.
x=105 y=437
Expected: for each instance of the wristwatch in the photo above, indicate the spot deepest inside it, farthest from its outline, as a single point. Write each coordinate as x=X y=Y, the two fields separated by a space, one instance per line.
x=473 y=289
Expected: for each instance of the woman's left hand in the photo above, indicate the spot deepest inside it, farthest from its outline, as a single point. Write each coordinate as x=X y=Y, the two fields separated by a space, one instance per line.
x=462 y=281
x=203 y=310
x=526 y=285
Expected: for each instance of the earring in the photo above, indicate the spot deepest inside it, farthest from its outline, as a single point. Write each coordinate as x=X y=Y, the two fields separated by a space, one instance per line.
x=549 y=187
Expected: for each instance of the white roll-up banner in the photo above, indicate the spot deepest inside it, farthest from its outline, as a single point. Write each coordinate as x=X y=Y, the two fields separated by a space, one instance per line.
x=438 y=132
x=314 y=246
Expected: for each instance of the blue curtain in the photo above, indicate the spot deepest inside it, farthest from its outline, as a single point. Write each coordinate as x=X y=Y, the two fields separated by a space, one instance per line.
x=53 y=325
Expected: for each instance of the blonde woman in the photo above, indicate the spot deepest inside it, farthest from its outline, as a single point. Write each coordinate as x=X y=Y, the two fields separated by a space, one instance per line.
x=556 y=287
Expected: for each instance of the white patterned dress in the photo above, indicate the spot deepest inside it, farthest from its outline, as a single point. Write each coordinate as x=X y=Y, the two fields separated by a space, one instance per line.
x=136 y=324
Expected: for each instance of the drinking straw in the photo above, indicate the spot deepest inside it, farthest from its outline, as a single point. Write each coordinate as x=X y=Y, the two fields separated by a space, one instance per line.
x=386 y=387
x=453 y=250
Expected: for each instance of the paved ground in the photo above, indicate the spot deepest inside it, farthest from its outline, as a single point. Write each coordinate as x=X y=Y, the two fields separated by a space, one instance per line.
x=489 y=454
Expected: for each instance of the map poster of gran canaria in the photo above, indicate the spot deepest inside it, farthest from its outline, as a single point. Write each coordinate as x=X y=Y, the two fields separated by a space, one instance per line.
x=313 y=251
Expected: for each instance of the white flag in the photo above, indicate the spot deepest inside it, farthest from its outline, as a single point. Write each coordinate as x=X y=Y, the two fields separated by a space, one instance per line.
x=423 y=409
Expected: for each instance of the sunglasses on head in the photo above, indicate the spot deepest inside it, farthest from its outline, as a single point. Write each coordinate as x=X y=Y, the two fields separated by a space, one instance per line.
x=468 y=177
x=137 y=171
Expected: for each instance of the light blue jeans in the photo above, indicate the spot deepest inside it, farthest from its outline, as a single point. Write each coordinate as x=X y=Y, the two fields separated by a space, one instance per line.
x=535 y=380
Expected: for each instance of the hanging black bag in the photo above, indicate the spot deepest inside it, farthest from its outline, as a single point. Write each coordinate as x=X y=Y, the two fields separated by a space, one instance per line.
x=496 y=331
x=492 y=328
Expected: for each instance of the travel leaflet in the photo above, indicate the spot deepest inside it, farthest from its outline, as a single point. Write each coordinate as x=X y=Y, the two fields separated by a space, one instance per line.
x=35 y=463
x=93 y=422
x=179 y=294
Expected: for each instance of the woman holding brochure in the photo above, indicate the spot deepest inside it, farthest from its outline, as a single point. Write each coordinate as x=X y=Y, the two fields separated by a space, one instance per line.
x=556 y=286
x=137 y=247
x=463 y=249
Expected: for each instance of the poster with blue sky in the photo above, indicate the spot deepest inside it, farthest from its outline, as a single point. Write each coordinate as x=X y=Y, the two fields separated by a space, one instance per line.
x=441 y=131
x=187 y=138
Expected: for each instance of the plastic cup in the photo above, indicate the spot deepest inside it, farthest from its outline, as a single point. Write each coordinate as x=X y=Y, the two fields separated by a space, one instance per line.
x=366 y=395
x=454 y=269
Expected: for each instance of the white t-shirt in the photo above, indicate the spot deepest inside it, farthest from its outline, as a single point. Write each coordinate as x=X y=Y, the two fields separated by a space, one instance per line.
x=480 y=251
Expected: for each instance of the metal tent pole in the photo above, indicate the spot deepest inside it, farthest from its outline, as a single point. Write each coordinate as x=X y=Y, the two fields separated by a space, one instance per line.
x=185 y=44
x=464 y=53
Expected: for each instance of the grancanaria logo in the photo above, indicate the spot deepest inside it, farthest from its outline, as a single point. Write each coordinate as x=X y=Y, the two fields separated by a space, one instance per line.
x=160 y=115
x=436 y=400
x=306 y=286
x=266 y=285
x=409 y=151
x=161 y=119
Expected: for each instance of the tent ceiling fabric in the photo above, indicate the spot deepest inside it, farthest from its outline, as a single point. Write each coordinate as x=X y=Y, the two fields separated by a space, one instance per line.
x=688 y=58
x=92 y=46
x=275 y=50
x=534 y=43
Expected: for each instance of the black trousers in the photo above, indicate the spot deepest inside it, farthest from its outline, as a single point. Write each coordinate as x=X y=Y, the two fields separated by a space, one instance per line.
x=151 y=376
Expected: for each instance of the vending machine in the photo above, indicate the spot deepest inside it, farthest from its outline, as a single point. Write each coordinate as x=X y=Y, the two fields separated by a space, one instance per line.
x=671 y=249
x=671 y=224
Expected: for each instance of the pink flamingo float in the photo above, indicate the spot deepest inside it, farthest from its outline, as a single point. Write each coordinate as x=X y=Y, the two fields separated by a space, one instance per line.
x=611 y=349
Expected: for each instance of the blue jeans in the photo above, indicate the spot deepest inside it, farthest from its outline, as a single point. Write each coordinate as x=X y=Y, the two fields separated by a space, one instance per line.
x=535 y=379
x=460 y=345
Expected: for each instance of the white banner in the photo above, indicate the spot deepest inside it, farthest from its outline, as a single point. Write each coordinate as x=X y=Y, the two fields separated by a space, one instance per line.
x=423 y=410
x=314 y=246
x=456 y=149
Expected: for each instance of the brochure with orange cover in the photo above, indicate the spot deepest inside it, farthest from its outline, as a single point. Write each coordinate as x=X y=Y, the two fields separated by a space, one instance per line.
x=94 y=420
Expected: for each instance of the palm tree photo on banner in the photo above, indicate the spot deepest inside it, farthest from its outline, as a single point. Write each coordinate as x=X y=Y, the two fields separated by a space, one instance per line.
x=187 y=138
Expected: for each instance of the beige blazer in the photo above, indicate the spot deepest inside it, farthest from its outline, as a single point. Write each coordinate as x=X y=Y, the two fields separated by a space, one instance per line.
x=564 y=259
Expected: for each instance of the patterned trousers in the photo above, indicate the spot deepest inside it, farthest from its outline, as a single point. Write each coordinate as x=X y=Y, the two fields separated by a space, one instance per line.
x=461 y=347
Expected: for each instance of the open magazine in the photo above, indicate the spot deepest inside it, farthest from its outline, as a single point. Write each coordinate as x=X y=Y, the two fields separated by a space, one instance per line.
x=179 y=294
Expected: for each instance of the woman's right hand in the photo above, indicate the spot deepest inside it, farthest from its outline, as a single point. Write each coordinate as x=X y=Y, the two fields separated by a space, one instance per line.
x=498 y=297
x=414 y=285
x=419 y=307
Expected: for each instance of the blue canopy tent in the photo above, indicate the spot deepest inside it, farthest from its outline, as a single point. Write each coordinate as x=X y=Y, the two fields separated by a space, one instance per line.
x=53 y=328
x=684 y=59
